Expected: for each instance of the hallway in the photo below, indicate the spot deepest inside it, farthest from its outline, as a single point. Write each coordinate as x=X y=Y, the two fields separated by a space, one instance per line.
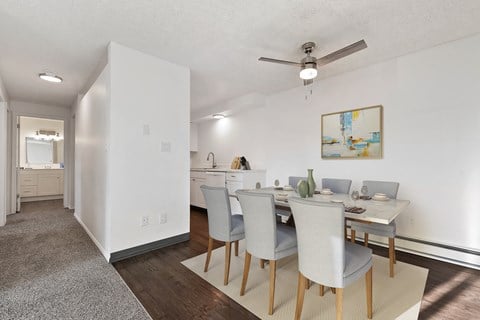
x=52 y=270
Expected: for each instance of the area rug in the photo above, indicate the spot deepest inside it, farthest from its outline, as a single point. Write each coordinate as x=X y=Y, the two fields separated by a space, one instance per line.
x=393 y=298
x=50 y=269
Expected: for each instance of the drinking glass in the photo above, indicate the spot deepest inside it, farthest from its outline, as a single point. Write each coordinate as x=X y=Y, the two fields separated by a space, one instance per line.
x=364 y=191
x=355 y=196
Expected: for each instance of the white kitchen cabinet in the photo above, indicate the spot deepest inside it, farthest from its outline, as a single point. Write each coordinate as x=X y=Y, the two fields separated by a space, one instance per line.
x=196 y=196
x=247 y=179
x=193 y=137
x=40 y=184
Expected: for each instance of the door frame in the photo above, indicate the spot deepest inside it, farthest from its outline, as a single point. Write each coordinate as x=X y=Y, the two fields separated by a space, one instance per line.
x=14 y=154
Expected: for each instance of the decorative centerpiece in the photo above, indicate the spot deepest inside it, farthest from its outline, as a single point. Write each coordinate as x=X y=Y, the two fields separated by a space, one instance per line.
x=302 y=188
x=311 y=183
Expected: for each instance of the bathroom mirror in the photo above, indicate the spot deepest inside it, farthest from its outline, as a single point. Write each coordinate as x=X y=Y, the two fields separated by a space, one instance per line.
x=39 y=151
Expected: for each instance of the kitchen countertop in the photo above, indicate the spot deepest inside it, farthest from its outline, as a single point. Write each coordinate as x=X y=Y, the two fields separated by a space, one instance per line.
x=224 y=170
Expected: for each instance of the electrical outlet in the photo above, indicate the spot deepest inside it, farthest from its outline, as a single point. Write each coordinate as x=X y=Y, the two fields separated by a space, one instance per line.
x=163 y=218
x=145 y=221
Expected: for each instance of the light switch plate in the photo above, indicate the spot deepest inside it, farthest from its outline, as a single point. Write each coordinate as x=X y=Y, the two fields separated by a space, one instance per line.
x=165 y=146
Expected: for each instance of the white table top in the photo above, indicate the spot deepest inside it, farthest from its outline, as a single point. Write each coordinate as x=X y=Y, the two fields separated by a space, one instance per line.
x=382 y=212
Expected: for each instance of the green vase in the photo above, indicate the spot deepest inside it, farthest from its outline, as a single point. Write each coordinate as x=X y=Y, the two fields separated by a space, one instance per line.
x=311 y=183
x=302 y=188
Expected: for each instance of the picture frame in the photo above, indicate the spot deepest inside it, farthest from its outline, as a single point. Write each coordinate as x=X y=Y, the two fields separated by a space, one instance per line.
x=353 y=134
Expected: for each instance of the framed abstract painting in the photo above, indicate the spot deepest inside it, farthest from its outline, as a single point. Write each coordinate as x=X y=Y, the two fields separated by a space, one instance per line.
x=353 y=134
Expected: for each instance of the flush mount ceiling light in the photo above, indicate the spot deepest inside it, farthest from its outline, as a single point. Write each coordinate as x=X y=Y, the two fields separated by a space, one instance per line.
x=50 y=77
x=218 y=116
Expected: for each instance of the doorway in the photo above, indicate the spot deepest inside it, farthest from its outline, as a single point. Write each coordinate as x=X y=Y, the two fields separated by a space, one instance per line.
x=40 y=159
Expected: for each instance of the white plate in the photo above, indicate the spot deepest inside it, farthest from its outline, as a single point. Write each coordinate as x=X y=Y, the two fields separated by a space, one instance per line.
x=380 y=198
x=281 y=198
x=380 y=195
x=287 y=188
x=326 y=193
x=336 y=201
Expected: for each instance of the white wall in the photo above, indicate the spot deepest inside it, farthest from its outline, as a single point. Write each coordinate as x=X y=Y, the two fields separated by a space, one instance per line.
x=3 y=163
x=92 y=134
x=144 y=181
x=121 y=172
x=431 y=116
x=4 y=172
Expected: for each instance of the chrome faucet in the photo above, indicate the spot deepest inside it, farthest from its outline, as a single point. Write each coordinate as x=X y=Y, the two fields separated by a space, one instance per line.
x=213 y=159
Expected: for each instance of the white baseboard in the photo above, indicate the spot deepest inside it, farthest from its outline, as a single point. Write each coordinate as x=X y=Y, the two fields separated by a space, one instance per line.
x=41 y=198
x=104 y=252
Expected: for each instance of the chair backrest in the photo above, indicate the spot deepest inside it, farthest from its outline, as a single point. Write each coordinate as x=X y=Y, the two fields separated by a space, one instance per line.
x=337 y=185
x=320 y=240
x=293 y=181
x=218 y=211
x=260 y=223
x=387 y=187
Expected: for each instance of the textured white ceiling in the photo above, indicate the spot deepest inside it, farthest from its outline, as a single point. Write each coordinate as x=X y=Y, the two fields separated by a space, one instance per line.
x=219 y=40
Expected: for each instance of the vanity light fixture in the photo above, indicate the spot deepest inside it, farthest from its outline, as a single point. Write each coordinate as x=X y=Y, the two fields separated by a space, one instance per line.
x=50 y=77
x=218 y=116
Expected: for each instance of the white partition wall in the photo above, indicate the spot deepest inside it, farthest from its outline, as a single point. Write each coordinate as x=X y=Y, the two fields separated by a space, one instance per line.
x=3 y=163
x=132 y=152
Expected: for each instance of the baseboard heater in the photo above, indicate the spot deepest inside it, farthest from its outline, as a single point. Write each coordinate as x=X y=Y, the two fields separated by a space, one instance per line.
x=144 y=248
x=440 y=245
x=436 y=256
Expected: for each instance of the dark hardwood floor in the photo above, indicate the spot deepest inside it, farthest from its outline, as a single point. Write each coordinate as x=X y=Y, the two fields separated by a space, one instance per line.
x=168 y=290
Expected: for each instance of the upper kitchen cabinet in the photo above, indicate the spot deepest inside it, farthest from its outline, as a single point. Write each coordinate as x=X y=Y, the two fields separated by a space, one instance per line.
x=193 y=137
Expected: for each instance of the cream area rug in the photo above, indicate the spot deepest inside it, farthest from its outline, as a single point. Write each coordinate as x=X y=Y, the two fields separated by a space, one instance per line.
x=393 y=298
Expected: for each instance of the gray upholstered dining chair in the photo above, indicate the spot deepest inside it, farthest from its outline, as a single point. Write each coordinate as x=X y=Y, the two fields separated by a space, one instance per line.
x=293 y=181
x=324 y=256
x=337 y=185
x=264 y=238
x=384 y=230
x=222 y=225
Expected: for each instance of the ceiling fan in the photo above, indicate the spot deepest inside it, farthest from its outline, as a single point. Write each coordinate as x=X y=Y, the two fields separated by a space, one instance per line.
x=308 y=65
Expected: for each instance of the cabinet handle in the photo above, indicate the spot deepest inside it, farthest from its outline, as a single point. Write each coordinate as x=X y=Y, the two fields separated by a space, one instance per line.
x=233 y=176
x=193 y=179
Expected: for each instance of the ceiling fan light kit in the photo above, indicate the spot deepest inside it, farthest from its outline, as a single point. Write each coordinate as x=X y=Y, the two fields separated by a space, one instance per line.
x=308 y=65
x=308 y=73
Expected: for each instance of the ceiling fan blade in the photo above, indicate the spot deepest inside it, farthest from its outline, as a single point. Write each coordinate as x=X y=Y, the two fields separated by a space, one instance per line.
x=290 y=63
x=307 y=82
x=342 y=53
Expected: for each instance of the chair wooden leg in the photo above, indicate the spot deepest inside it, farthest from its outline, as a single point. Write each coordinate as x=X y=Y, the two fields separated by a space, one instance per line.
x=236 y=248
x=365 y=240
x=322 y=290
x=273 y=268
x=246 y=269
x=334 y=291
x=300 y=295
x=352 y=235
x=339 y=303
x=308 y=284
x=228 y=247
x=394 y=251
x=209 y=253
x=368 y=285
x=391 y=253
x=346 y=233
x=262 y=263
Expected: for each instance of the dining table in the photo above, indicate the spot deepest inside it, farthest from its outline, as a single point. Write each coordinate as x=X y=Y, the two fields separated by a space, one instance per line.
x=376 y=211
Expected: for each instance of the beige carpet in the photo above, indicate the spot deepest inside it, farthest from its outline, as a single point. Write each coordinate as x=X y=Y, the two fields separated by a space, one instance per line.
x=397 y=298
